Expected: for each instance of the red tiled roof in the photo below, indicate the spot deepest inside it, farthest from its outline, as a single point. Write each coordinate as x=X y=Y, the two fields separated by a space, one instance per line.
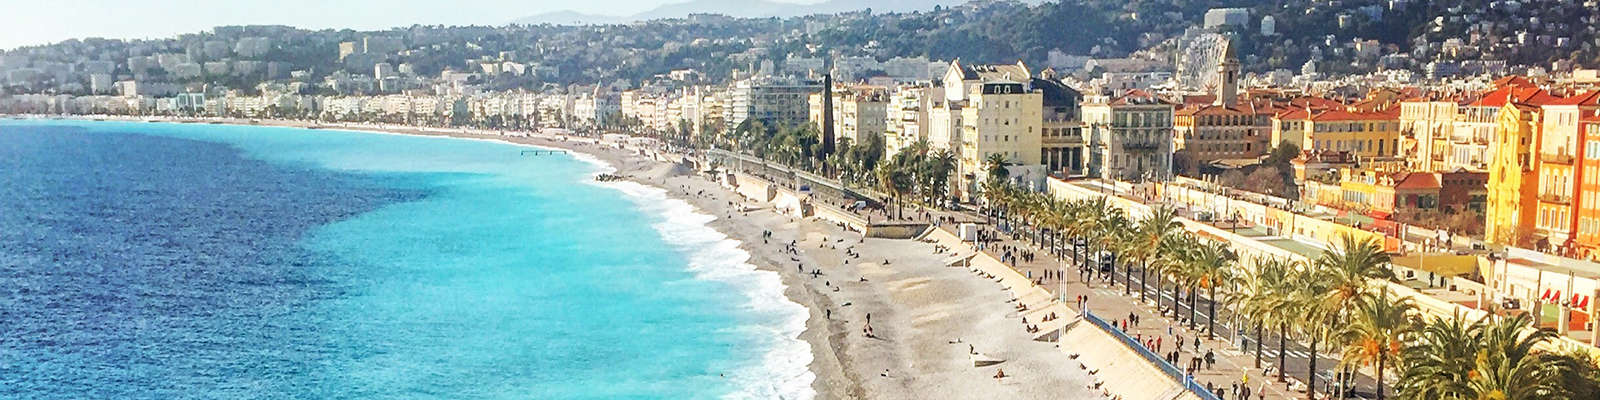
x=1136 y=94
x=1535 y=96
x=1523 y=95
x=1211 y=109
x=1341 y=115
x=1294 y=113
x=1417 y=180
x=1199 y=99
x=1586 y=99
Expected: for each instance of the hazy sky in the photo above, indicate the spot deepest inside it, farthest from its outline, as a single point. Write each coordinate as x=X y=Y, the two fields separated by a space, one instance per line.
x=31 y=22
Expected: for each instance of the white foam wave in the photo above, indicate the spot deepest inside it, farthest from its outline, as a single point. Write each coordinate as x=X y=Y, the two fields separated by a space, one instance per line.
x=783 y=371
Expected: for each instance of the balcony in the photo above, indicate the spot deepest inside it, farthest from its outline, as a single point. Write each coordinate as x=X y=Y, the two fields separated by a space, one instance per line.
x=1063 y=140
x=1565 y=159
x=1141 y=145
x=1555 y=199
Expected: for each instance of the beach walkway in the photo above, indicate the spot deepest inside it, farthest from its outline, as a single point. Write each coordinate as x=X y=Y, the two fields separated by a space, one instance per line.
x=1107 y=301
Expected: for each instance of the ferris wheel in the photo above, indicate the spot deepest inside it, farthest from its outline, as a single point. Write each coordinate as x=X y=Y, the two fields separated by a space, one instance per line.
x=1197 y=61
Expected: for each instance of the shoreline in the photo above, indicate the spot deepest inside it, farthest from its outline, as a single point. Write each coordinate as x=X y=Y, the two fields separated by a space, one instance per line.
x=927 y=317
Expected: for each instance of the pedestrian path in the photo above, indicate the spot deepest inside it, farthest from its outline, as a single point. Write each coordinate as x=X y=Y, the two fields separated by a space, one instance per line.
x=1231 y=368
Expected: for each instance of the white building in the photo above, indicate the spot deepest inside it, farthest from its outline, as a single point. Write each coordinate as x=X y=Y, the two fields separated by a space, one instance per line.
x=1129 y=136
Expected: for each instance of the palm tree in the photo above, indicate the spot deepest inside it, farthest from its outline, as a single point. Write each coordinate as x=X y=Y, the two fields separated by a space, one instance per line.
x=1582 y=377
x=1377 y=333
x=1260 y=299
x=1351 y=266
x=1124 y=242
x=1307 y=299
x=1212 y=267
x=1344 y=274
x=1439 y=360
x=1176 y=267
x=1507 y=367
x=1107 y=234
x=1152 y=235
x=997 y=167
x=1090 y=217
x=893 y=180
x=941 y=165
x=1076 y=226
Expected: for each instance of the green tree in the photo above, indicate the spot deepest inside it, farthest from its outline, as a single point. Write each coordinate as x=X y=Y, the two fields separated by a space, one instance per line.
x=1377 y=333
x=996 y=164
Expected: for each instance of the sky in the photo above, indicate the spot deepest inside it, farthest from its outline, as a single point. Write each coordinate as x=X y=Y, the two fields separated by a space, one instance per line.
x=35 y=22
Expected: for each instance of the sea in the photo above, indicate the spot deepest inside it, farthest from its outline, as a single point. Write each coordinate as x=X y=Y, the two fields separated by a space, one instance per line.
x=200 y=261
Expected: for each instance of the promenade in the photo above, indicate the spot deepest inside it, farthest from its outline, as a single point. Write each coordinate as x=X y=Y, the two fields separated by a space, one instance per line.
x=1234 y=367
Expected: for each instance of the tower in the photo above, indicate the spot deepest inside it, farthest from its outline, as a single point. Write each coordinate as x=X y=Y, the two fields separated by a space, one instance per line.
x=1227 y=76
x=827 y=115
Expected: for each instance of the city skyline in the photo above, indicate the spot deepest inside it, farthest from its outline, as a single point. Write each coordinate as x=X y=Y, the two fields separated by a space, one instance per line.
x=39 y=23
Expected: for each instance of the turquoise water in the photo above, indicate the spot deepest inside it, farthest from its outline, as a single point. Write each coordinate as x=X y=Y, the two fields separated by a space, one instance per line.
x=409 y=267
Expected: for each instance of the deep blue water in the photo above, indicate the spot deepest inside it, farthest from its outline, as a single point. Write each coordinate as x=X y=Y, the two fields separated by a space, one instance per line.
x=202 y=261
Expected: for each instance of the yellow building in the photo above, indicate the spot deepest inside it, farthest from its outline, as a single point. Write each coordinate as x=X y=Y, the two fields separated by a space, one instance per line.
x=1513 y=176
x=1364 y=134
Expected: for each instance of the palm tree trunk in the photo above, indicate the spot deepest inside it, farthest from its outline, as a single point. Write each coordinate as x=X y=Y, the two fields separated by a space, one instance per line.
x=1176 y=301
x=1211 y=314
x=1380 y=374
x=1259 y=340
x=1160 y=284
x=1127 y=279
x=1144 y=267
x=1311 y=372
x=1283 y=348
x=1194 y=297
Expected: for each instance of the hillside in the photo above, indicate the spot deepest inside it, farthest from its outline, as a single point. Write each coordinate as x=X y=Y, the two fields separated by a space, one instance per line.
x=1407 y=34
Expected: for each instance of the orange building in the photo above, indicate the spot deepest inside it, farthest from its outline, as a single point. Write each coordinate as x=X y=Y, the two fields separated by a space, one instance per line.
x=1559 y=195
x=1587 y=202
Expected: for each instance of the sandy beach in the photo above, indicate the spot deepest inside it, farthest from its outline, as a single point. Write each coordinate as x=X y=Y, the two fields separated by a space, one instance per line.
x=926 y=317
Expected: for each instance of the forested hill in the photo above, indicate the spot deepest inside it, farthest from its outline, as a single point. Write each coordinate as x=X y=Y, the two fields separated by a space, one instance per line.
x=1408 y=33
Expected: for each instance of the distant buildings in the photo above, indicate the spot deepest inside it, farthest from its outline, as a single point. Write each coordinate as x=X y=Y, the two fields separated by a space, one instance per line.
x=1220 y=17
x=772 y=103
x=858 y=111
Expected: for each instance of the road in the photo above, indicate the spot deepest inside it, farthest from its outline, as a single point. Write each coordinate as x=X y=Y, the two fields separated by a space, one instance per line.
x=1297 y=359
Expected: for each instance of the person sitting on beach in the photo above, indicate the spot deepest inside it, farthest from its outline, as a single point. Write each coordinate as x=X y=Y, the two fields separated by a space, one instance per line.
x=1000 y=374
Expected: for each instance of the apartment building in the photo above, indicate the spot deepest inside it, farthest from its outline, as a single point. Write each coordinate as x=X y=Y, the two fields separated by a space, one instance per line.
x=1002 y=118
x=858 y=111
x=1129 y=136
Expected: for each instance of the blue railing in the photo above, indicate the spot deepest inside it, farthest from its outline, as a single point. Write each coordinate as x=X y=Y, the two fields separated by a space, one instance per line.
x=1152 y=357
